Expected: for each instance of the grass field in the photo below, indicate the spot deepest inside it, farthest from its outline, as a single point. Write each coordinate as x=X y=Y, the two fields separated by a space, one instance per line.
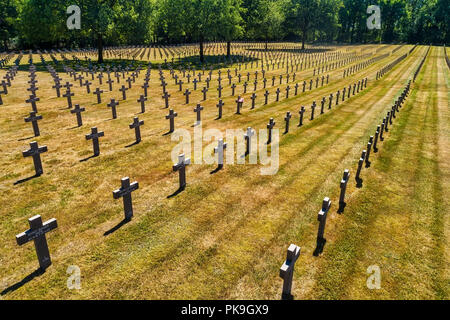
x=226 y=235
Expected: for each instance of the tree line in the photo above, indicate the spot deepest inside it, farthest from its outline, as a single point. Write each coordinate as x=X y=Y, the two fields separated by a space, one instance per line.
x=35 y=24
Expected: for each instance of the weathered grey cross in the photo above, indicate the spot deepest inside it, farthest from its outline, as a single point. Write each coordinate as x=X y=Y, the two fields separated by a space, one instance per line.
x=94 y=136
x=198 y=110
x=287 y=271
x=33 y=118
x=270 y=126
x=98 y=92
x=301 y=112
x=69 y=96
x=322 y=217
x=221 y=146
x=77 y=110
x=287 y=118
x=36 y=233
x=248 y=139
x=171 y=116
x=343 y=186
x=113 y=104
x=35 y=152
x=33 y=99
x=313 y=107
x=125 y=192
x=181 y=168
x=136 y=126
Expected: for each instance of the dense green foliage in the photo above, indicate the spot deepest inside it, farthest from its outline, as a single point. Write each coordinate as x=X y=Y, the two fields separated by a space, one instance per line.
x=42 y=23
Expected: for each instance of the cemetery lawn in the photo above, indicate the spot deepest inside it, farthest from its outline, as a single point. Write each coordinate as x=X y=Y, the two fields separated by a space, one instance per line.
x=226 y=235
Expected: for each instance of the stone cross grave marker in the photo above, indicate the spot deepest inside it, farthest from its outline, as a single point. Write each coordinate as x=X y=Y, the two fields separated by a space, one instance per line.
x=125 y=193
x=166 y=97
x=198 y=109
x=113 y=105
x=124 y=92
x=77 y=110
x=248 y=140
x=94 y=136
x=33 y=99
x=313 y=107
x=221 y=146
x=369 y=148
x=186 y=93
x=142 y=100
x=98 y=92
x=220 y=106
x=377 y=133
x=69 y=96
x=171 y=116
x=204 y=91
x=33 y=118
x=270 y=126
x=36 y=233
x=136 y=125
x=301 y=112
x=181 y=168
x=287 y=118
x=358 y=172
x=343 y=186
x=287 y=271
x=239 y=103
x=322 y=217
x=35 y=152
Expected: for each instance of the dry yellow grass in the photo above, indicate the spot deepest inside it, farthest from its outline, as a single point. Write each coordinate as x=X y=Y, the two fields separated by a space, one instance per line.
x=226 y=235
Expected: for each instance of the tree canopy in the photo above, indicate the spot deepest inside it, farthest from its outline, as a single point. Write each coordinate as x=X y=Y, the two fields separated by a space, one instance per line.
x=32 y=24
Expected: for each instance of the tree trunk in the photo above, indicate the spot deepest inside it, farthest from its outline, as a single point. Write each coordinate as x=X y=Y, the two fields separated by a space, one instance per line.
x=100 y=48
x=303 y=39
x=228 y=49
x=202 y=58
x=266 y=44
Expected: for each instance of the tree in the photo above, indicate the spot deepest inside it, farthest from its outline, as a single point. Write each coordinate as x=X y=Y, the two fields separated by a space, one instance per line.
x=230 y=21
x=97 y=18
x=171 y=20
x=392 y=12
x=42 y=23
x=7 y=19
x=270 y=17
x=134 y=22
x=201 y=21
x=307 y=16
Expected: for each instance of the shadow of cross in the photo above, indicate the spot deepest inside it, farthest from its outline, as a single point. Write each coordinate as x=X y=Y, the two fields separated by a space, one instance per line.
x=35 y=152
x=37 y=233
x=287 y=271
x=322 y=217
x=125 y=192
